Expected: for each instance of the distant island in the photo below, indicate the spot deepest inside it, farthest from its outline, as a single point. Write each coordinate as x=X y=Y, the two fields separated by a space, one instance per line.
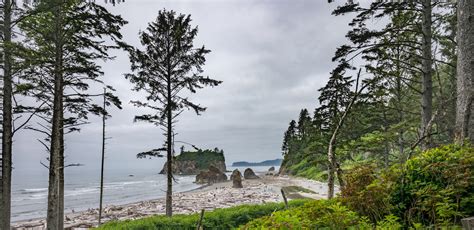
x=276 y=162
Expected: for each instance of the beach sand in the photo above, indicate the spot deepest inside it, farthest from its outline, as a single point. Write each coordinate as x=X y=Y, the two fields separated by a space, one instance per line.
x=221 y=195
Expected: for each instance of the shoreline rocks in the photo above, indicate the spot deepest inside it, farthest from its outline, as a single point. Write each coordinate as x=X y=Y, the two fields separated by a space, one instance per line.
x=211 y=176
x=250 y=174
x=236 y=178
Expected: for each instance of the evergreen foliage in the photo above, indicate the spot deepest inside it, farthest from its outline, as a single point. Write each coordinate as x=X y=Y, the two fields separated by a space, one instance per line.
x=64 y=40
x=384 y=124
x=168 y=66
x=203 y=158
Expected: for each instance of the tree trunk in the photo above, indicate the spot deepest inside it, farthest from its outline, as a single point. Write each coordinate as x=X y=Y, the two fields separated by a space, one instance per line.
x=102 y=163
x=465 y=72
x=333 y=164
x=331 y=170
x=386 y=151
x=7 y=134
x=169 y=145
x=55 y=213
x=427 y=82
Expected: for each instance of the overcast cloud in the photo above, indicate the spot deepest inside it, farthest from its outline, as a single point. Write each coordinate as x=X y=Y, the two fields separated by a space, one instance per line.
x=272 y=56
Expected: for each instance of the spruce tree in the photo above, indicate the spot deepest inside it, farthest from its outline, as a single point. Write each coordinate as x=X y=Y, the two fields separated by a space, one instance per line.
x=169 y=65
x=66 y=39
x=288 y=138
x=7 y=116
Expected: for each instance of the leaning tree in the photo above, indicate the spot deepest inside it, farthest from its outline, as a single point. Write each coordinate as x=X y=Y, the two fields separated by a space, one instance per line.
x=168 y=66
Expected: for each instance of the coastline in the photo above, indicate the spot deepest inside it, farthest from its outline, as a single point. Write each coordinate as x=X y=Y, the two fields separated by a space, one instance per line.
x=208 y=197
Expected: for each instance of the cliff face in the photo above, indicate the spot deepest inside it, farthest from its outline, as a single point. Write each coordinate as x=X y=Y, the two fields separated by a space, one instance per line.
x=191 y=163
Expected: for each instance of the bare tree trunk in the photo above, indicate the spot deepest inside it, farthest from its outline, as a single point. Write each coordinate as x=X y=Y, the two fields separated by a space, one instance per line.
x=465 y=72
x=386 y=151
x=61 y=181
x=102 y=162
x=169 y=190
x=55 y=213
x=331 y=170
x=7 y=119
x=333 y=164
x=427 y=82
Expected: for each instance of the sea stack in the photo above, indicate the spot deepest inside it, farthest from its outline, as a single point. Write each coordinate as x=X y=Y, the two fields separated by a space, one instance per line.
x=249 y=174
x=236 y=178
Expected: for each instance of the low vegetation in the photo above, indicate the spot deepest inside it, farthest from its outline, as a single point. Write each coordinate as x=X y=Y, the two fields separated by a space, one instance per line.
x=226 y=218
x=433 y=190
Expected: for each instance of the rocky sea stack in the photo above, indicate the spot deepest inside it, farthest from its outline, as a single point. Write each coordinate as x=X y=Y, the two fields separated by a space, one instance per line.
x=211 y=176
x=236 y=179
x=249 y=174
x=192 y=163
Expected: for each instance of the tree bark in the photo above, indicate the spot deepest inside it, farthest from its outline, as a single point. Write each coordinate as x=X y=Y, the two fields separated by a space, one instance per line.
x=465 y=72
x=169 y=145
x=7 y=134
x=102 y=162
x=55 y=214
x=427 y=82
x=334 y=166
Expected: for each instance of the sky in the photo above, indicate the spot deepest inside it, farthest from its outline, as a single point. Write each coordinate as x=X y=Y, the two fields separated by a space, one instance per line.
x=272 y=56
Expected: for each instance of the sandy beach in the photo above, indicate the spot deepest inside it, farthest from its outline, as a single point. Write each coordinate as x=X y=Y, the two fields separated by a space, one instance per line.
x=220 y=195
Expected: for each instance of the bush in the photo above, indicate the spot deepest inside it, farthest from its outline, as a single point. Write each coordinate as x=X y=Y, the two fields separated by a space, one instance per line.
x=226 y=218
x=435 y=187
x=366 y=193
x=319 y=214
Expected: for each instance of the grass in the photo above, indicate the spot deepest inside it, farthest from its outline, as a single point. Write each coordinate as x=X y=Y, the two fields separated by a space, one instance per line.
x=225 y=218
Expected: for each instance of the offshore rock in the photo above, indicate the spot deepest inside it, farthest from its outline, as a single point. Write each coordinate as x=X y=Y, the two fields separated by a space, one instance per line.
x=211 y=176
x=249 y=174
x=236 y=178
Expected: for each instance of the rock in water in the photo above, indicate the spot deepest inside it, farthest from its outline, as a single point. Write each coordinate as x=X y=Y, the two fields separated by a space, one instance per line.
x=271 y=171
x=236 y=178
x=213 y=175
x=249 y=174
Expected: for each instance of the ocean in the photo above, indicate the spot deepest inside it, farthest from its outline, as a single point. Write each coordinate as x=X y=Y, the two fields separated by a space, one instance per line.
x=121 y=186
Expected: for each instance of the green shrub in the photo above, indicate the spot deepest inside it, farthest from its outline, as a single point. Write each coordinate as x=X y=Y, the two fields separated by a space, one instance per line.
x=435 y=188
x=366 y=193
x=318 y=214
x=226 y=218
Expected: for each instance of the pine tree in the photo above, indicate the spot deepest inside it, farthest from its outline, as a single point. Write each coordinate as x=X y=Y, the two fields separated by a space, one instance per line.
x=414 y=38
x=7 y=116
x=334 y=99
x=169 y=64
x=304 y=124
x=66 y=39
x=288 y=138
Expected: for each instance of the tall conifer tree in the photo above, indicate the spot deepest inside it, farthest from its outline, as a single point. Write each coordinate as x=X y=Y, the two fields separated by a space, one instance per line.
x=66 y=39
x=168 y=65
